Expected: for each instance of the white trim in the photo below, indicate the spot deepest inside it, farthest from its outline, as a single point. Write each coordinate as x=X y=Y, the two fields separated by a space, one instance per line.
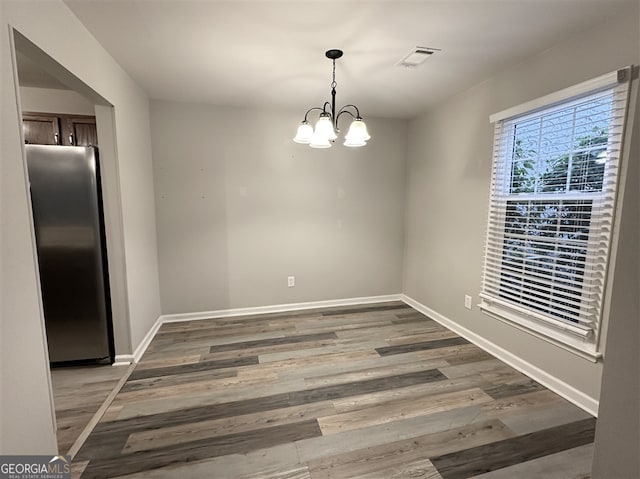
x=609 y=79
x=75 y=447
x=580 y=346
x=144 y=344
x=34 y=248
x=277 y=308
x=558 y=386
x=123 y=359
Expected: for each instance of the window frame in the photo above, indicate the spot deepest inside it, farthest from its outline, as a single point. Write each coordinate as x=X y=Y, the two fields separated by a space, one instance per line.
x=584 y=342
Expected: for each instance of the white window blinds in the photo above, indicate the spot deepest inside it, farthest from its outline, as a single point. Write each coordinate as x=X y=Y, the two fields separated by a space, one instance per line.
x=551 y=211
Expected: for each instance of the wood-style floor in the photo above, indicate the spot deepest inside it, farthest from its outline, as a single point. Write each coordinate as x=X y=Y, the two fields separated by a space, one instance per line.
x=366 y=392
x=78 y=393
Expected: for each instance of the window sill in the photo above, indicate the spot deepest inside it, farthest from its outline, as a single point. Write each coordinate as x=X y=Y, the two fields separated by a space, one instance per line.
x=569 y=342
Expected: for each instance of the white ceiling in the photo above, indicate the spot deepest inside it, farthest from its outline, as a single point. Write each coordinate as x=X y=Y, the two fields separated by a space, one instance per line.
x=271 y=54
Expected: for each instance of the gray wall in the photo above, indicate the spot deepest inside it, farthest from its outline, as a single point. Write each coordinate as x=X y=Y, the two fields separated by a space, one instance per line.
x=618 y=431
x=236 y=214
x=48 y=100
x=26 y=409
x=449 y=162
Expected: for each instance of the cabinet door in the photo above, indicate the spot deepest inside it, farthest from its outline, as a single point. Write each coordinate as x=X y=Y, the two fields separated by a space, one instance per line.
x=80 y=131
x=41 y=129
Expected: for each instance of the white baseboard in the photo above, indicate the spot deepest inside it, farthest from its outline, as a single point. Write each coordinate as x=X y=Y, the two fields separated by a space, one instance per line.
x=278 y=308
x=144 y=344
x=558 y=386
x=123 y=359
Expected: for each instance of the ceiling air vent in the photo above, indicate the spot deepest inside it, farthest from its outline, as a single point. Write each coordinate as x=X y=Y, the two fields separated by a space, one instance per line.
x=416 y=56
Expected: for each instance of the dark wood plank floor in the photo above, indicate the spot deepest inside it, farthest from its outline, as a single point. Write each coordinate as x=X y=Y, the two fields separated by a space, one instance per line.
x=376 y=391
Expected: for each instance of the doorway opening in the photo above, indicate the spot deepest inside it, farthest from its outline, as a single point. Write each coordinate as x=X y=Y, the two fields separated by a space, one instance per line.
x=69 y=135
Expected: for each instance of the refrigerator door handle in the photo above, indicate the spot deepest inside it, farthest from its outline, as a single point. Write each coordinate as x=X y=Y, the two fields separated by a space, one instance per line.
x=71 y=138
x=56 y=139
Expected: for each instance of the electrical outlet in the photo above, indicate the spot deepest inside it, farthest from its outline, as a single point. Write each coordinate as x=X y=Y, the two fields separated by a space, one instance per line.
x=467 y=301
x=291 y=281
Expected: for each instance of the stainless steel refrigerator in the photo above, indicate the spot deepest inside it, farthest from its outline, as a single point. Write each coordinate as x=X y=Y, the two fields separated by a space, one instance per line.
x=69 y=229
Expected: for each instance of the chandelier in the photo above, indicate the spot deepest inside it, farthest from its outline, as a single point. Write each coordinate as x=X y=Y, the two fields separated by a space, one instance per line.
x=326 y=129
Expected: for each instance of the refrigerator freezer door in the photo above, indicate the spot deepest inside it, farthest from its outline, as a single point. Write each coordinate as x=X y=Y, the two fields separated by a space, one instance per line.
x=66 y=210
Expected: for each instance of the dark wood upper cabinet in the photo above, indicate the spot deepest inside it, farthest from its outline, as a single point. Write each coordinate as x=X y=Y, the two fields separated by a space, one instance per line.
x=81 y=130
x=59 y=129
x=41 y=129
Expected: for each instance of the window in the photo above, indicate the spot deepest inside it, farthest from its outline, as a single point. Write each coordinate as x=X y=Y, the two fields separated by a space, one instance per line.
x=551 y=212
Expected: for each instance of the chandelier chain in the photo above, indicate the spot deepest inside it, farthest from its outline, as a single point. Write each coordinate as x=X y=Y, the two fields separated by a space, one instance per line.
x=333 y=83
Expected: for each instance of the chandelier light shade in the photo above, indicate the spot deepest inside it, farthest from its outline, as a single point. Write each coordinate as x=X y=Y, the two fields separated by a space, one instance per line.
x=326 y=128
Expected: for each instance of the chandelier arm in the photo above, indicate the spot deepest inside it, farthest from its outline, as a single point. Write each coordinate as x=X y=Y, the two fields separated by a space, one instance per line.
x=310 y=110
x=344 y=108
